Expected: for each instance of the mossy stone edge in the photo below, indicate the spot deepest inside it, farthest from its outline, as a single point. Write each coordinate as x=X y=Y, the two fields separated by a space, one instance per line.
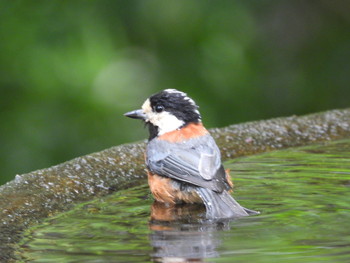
x=31 y=197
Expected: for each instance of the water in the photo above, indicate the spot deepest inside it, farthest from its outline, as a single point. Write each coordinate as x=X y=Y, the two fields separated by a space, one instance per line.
x=303 y=196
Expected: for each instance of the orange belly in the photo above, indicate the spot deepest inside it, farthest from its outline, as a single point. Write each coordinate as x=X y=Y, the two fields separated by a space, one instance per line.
x=165 y=191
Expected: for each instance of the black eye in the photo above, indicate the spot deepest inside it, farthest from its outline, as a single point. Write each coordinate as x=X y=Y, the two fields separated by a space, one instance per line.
x=159 y=108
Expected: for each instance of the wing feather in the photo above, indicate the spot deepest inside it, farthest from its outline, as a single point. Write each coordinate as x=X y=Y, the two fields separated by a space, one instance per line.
x=198 y=163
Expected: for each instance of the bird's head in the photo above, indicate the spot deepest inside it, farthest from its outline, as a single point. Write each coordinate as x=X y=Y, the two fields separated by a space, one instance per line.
x=167 y=111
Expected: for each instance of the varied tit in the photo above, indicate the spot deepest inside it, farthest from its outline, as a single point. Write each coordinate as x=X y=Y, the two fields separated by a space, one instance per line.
x=182 y=158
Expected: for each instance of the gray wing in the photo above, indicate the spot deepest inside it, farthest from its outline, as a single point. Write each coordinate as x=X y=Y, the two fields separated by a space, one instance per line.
x=196 y=162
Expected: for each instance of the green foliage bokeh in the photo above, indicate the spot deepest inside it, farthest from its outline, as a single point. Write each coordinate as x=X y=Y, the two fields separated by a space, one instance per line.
x=70 y=69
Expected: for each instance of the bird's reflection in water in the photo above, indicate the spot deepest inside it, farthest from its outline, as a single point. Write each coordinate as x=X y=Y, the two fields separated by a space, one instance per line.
x=181 y=234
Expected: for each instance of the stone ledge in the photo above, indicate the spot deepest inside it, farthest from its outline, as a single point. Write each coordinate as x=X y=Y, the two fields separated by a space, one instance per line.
x=31 y=197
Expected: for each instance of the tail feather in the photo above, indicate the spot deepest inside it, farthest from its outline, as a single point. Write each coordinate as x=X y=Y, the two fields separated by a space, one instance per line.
x=222 y=205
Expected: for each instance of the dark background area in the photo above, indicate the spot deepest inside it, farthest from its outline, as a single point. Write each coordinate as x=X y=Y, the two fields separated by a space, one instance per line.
x=70 y=69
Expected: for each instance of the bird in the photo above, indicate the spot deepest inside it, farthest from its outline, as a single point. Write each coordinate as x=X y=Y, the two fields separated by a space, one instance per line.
x=182 y=158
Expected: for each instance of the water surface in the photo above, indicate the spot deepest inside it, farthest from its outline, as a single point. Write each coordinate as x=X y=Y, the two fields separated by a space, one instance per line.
x=302 y=194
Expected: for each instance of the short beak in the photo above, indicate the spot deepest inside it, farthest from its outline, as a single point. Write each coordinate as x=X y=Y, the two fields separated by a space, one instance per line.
x=136 y=114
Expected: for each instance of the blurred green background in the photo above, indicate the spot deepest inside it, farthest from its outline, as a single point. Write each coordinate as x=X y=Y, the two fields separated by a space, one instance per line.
x=70 y=69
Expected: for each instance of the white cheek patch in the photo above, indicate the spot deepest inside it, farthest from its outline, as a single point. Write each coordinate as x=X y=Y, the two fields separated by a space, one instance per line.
x=147 y=109
x=165 y=121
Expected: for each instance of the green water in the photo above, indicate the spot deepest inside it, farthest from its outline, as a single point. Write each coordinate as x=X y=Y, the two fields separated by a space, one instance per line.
x=303 y=196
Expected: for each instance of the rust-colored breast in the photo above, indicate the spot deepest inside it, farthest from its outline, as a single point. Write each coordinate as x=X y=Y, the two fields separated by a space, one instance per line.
x=192 y=130
x=164 y=191
x=161 y=188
